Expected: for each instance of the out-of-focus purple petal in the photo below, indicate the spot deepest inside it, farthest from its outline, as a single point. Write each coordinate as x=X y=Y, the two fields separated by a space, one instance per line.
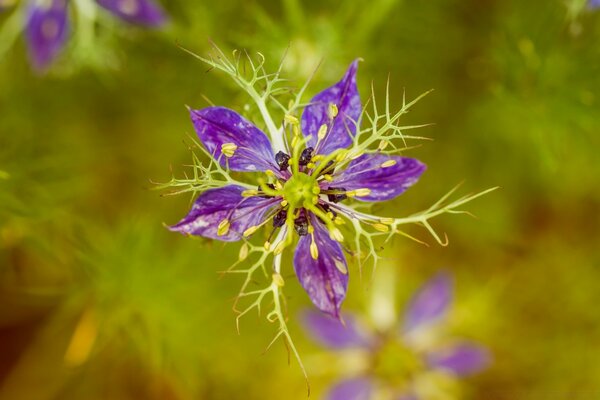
x=344 y=95
x=386 y=176
x=217 y=126
x=430 y=303
x=227 y=203
x=46 y=31
x=593 y=4
x=351 y=389
x=326 y=278
x=462 y=359
x=331 y=332
x=140 y=12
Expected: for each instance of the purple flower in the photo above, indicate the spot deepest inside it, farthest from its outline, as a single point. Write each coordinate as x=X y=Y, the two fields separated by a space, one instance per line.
x=593 y=4
x=413 y=357
x=47 y=24
x=304 y=183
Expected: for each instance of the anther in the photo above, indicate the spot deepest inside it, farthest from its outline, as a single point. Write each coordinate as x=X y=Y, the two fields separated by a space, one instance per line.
x=301 y=225
x=279 y=219
x=282 y=160
x=388 y=163
x=332 y=112
x=223 y=227
x=228 y=149
x=264 y=196
x=322 y=132
x=306 y=156
x=314 y=250
x=337 y=197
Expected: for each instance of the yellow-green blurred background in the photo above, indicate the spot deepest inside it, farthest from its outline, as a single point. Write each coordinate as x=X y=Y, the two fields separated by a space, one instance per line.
x=82 y=243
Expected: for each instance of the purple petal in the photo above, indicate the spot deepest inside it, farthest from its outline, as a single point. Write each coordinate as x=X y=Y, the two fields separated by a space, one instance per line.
x=326 y=278
x=373 y=171
x=344 y=95
x=216 y=205
x=219 y=125
x=351 y=389
x=331 y=332
x=46 y=32
x=430 y=303
x=462 y=360
x=140 y=12
x=593 y=4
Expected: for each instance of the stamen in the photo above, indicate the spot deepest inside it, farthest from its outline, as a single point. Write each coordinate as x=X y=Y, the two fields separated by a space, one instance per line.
x=381 y=228
x=269 y=173
x=314 y=250
x=340 y=266
x=283 y=160
x=387 y=221
x=278 y=280
x=328 y=177
x=336 y=234
x=223 y=227
x=250 y=193
x=251 y=230
x=359 y=192
x=267 y=245
x=290 y=119
x=382 y=145
x=332 y=112
x=283 y=203
x=388 y=163
x=228 y=149
x=244 y=250
x=322 y=132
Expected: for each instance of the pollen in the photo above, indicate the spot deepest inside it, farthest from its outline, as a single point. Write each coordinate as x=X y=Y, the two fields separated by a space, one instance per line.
x=249 y=193
x=383 y=144
x=278 y=280
x=290 y=119
x=341 y=266
x=243 y=252
x=359 y=192
x=335 y=234
x=228 y=149
x=388 y=163
x=387 y=221
x=267 y=245
x=223 y=227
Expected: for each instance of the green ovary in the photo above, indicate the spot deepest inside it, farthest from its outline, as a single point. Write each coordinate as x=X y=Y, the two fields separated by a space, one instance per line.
x=301 y=190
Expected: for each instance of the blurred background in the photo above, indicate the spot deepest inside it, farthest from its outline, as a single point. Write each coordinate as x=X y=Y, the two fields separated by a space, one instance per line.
x=84 y=256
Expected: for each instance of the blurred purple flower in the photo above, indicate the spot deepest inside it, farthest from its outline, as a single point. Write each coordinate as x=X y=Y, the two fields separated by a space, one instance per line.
x=309 y=184
x=593 y=4
x=428 y=306
x=47 y=24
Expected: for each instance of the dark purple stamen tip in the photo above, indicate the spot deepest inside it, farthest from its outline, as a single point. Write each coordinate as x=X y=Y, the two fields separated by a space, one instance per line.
x=279 y=219
x=282 y=160
x=301 y=225
x=306 y=156
x=337 y=197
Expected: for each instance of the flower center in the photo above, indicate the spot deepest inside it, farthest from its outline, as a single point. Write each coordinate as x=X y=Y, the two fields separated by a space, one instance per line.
x=301 y=190
x=396 y=363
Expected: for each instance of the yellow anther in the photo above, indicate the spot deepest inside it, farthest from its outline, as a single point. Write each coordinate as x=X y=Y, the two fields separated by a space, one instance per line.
x=335 y=234
x=315 y=200
x=269 y=173
x=341 y=266
x=290 y=119
x=359 y=192
x=339 y=221
x=387 y=221
x=250 y=193
x=310 y=165
x=251 y=230
x=322 y=132
x=278 y=280
x=388 y=163
x=316 y=189
x=223 y=227
x=267 y=245
x=228 y=149
x=328 y=177
x=278 y=185
x=383 y=144
x=244 y=250
x=358 y=154
x=381 y=227
x=317 y=157
x=283 y=203
x=311 y=229
x=332 y=112
x=314 y=250
x=330 y=215
x=341 y=156
x=294 y=143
